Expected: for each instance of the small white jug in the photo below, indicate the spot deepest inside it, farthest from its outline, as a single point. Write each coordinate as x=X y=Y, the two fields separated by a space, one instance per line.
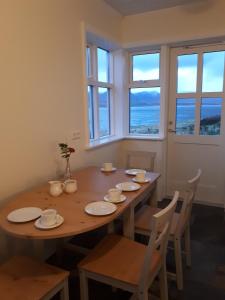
x=70 y=186
x=56 y=188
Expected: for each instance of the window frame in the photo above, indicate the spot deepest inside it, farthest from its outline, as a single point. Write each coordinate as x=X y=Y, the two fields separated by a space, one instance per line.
x=198 y=95
x=95 y=84
x=152 y=83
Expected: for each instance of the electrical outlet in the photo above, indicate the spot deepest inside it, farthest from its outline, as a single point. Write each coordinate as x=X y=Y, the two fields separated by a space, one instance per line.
x=75 y=135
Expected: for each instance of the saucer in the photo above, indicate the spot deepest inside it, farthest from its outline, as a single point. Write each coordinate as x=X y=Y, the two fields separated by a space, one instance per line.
x=128 y=186
x=104 y=170
x=134 y=171
x=39 y=225
x=142 y=181
x=122 y=199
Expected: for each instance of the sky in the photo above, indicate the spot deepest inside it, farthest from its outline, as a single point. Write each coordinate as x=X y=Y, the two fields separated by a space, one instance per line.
x=146 y=67
x=213 y=71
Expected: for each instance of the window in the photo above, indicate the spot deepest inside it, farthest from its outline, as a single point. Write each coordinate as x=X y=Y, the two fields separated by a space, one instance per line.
x=144 y=94
x=99 y=91
x=199 y=92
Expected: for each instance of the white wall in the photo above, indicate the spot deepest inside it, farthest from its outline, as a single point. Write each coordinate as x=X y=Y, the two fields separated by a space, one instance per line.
x=42 y=87
x=175 y=24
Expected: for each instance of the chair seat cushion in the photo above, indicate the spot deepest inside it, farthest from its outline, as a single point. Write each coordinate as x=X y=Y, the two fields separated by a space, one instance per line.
x=143 y=220
x=119 y=258
x=22 y=278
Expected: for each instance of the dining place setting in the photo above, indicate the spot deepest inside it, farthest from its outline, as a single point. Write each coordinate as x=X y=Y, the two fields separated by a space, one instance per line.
x=43 y=219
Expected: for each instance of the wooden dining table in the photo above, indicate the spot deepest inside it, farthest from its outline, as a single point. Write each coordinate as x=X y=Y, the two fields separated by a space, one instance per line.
x=93 y=185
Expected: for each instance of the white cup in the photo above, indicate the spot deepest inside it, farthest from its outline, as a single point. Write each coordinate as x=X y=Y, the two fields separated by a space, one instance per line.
x=107 y=166
x=114 y=194
x=70 y=186
x=140 y=176
x=48 y=217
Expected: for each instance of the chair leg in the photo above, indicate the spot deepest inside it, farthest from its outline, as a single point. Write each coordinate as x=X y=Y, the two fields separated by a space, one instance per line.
x=83 y=286
x=178 y=260
x=143 y=295
x=134 y=297
x=64 y=293
x=163 y=283
x=187 y=242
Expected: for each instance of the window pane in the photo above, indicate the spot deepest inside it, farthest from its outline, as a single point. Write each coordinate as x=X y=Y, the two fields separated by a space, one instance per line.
x=144 y=110
x=185 y=116
x=213 y=71
x=103 y=65
x=187 y=73
x=90 y=112
x=146 y=66
x=104 y=112
x=88 y=61
x=210 y=116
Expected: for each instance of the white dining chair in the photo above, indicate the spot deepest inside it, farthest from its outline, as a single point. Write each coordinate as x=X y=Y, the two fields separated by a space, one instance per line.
x=129 y=265
x=141 y=160
x=180 y=227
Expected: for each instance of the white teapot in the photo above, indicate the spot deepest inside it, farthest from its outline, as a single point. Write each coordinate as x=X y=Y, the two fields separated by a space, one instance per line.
x=56 y=188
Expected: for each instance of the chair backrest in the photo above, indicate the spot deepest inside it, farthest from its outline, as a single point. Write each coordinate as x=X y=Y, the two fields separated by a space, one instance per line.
x=193 y=183
x=160 y=228
x=185 y=213
x=140 y=160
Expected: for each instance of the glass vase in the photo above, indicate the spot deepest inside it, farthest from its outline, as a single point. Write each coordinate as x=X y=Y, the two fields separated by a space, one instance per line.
x=67 y=174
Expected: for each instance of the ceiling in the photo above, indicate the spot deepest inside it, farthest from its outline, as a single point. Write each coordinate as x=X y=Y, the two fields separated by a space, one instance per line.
x=131 y=7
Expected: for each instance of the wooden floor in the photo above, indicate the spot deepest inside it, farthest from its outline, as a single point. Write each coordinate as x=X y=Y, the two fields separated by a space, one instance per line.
x=205 y=280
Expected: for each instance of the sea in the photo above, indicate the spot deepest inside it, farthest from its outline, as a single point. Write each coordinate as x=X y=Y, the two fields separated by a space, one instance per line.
x=150 y=115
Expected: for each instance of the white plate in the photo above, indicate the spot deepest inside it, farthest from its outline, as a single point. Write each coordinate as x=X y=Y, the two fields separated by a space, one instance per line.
x=24 y=214
x=128 y=186
x=122 y=199
x=100 y=208
x=138 y=181
x=104 y=170
x=134 y=171
x=39 y=225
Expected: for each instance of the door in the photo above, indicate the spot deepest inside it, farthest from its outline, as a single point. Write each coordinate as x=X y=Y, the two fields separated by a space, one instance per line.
x=196 y=121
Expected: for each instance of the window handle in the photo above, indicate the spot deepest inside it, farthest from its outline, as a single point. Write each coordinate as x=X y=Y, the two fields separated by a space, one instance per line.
x=171 y=131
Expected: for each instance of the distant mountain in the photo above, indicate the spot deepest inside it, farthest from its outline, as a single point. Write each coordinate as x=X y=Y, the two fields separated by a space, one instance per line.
x=145 y=99
x=136 y=99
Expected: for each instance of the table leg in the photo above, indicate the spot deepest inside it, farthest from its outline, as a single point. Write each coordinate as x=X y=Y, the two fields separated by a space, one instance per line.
x=128 y=223
x=38 y=246
x=6 y=247
x=111 y=228
x=153 y=196
x=60 y=243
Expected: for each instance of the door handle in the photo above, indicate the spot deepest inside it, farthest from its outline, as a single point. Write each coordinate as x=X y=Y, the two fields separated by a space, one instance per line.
x=171 y=130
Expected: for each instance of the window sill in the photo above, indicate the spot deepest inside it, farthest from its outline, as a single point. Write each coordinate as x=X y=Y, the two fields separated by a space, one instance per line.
x=103 y=142
x=108 y=140
x=142 y=137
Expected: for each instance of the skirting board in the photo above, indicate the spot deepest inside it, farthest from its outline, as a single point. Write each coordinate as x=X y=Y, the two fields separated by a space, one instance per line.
x=220 y=205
